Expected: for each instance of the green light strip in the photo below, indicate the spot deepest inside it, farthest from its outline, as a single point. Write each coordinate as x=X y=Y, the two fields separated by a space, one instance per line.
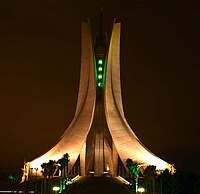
x=104 y=72
x=100 y=71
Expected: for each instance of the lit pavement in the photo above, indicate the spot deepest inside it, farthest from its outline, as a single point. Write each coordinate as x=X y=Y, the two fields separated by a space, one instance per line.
x=97 y=185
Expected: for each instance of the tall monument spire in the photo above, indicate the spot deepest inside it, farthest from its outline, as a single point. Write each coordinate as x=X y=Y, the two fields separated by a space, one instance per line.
x=101 y=26
x=99 y=135
x=100 y=50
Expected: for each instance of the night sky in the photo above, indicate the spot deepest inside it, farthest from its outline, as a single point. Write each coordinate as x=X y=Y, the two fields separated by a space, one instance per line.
x=40 y=44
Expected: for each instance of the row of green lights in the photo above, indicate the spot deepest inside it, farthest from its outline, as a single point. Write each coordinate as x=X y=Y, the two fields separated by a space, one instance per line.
x=100 y=71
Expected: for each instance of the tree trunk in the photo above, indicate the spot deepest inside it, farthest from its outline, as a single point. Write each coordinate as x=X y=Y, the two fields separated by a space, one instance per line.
x=153 y=180
x=41 y=189
x=45 y=185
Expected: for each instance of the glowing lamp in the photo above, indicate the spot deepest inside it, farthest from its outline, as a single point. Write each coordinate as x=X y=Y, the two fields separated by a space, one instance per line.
x=56 y=188
x=100 y=61
x=141 y=190
x=100 y=76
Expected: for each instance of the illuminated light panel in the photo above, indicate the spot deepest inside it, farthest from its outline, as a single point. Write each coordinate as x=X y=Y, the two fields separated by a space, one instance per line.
x=141 y=189
x=100 y=76
x=75 y=178
x=99 y=84
x=100 y=61
x=56 y=188
x=123 y=180
x=100 y=69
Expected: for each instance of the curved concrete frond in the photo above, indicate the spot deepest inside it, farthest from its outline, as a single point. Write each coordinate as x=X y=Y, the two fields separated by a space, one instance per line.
x=99 y=132
x=75 y=136
x=126 y=142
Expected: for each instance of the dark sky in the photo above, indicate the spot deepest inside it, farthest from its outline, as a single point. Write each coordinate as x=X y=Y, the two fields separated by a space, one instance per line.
x=39 y=74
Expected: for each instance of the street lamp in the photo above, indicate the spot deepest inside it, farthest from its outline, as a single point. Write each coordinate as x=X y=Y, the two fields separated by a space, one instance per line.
x=141 y=189
x=56 y=189
x=36 y=170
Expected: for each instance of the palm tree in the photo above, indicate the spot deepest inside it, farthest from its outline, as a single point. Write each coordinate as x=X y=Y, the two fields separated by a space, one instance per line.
x=61 y=164
x=165 y=182
x=48 y=172
x=150 y=178
x=66 y=159
x=63 y=167
x=51 y=167
x=133 y=169
x=45 y=174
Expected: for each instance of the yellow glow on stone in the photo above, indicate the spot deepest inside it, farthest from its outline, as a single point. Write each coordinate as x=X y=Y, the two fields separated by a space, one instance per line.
x=107 y=168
